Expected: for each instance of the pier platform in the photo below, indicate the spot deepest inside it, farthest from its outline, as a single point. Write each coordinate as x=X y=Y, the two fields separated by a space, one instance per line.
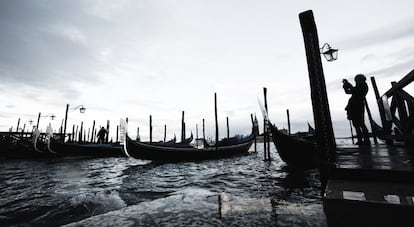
x=372 y=186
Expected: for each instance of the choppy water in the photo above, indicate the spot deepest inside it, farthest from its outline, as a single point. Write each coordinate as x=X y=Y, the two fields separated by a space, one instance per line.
x=128 y=192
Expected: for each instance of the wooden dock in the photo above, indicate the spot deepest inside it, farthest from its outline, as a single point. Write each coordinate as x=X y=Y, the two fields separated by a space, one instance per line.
x=371 y=186
x=364 y=186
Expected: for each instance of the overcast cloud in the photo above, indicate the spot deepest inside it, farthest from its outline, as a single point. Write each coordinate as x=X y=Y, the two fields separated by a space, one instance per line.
x=136 y=58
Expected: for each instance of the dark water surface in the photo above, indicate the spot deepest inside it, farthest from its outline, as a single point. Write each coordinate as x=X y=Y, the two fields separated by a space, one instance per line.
x=237 y=191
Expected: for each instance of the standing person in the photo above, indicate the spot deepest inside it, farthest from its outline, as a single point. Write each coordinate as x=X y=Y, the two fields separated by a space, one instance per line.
x=355 y=108
x=101 y=135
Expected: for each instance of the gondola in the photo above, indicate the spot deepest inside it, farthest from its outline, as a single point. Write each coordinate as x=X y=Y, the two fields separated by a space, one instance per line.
x=294 y=150
x=147 y=151
x=20 y=146
x=85 y=149
x=72 y=149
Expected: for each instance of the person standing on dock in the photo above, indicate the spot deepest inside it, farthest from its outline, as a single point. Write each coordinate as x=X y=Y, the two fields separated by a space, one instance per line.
x=101 y=135
x=355 y=109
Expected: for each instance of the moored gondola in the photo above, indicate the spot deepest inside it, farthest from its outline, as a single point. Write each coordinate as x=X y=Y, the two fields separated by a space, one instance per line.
x=294 y=150
x=141 y=150
x=154 y=151
x=71 y=149
x=85 y=149
x=18 y=145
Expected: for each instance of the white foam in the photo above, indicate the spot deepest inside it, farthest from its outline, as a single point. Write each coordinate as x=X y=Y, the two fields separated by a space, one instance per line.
x=101 y=201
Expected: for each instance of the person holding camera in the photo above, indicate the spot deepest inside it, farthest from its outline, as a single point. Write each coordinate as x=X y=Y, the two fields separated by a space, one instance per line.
x=355 y=108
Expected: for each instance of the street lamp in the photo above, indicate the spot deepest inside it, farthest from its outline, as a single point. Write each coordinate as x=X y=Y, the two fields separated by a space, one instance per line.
x=51 y=115
x=82 y=110
x=329 y=53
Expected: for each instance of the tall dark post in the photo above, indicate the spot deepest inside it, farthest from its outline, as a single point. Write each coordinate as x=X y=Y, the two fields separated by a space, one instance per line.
x=215 y=115
x=89 y=134
x=197 y=135
x=401 y=108
x=265 y=132
x=150 y=127
x=84 y=135
x=379 y=102
x=38 y=120
x=138 y=137
x=66 y=121
x=165 y=133
x=182 y=128
x=254 y=131
x=107 y=129
x=93 y=132
x=204 y=132
x=288 y=120
x=117 y=132
x=371 y=121
x=76 y=133
x=18 y=123
x=228 y=130
x=321 y=113
x=73 y=133
x=81 y=133
x=126 y=120
x=386 y=125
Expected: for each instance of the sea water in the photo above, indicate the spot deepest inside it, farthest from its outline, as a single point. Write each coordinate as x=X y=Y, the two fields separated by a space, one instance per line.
x=237 y=191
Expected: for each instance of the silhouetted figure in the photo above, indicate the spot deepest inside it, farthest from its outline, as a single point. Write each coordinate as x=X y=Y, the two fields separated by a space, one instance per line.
x=355 y=108
x=101 y=135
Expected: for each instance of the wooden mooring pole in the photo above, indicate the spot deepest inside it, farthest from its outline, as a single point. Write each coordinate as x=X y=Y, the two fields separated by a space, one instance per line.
x=288 y=121
x=72 y=138
x=386 y=125
x=197 y=135
x=89 y=134
x=66 y=121
x=228 y=130
x=216 y=120
x=254 y=131
x=322 y=117
x=107 y=130
x=371 y=122
x=93 y=132
x=150 y=128
x=204 y=133
x=18 y=123
x=117 y=133
x=266 y=138
x=165 y=133
x=38 y=120
x=182 y=128
x=80 y=132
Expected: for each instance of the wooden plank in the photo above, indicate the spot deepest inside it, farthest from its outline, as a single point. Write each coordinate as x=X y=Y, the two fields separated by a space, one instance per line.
x=401 y=84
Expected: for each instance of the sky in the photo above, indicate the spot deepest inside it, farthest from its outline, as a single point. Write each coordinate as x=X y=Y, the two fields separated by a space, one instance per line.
x=136 y=58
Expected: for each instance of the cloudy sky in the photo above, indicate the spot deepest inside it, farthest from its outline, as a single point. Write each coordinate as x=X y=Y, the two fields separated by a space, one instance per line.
x=135 y=58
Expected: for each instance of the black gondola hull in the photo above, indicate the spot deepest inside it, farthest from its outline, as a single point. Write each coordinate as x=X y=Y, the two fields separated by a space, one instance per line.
x=87 y=150
x=147 y=151
x=295 y=151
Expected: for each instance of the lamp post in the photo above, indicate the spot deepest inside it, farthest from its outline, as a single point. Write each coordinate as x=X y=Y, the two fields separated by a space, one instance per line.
x=51 y=115
x=24 y=125
x=328 y=52
x=81 y=108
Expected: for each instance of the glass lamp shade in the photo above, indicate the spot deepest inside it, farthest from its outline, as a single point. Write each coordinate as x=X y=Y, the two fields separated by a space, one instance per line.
x=330 y=54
